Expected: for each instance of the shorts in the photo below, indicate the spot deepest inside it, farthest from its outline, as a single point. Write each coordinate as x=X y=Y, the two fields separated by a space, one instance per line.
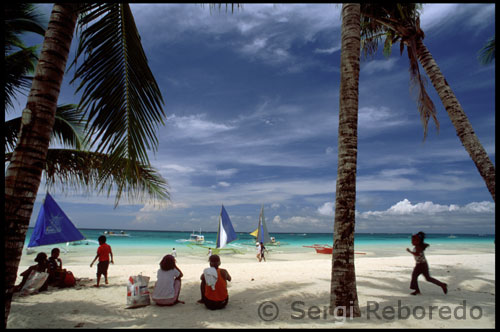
x=102 y=268
x=215 y=305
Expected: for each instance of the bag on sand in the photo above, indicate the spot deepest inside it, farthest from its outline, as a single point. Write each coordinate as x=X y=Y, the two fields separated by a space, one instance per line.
x=69 y=279
x=34 y=283
x=137 y=291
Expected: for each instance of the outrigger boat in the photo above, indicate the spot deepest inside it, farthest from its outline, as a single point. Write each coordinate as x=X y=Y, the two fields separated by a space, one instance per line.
x=327 y=249
x=225 y=234
x=261 y=234
x=196 y=238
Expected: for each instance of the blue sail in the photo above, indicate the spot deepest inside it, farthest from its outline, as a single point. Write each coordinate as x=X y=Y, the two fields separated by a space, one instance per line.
x=53 y=226
x=226 y=231
x=263 y=234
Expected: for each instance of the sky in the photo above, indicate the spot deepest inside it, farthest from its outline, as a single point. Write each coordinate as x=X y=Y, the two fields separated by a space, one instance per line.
x=252 y=100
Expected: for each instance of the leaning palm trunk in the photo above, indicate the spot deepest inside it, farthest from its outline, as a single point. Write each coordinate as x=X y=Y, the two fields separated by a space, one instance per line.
x=23 y=174
x=458 y=117
x=343 y=294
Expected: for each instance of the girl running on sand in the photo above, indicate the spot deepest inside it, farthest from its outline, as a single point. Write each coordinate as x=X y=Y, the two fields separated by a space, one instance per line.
x=421 y=266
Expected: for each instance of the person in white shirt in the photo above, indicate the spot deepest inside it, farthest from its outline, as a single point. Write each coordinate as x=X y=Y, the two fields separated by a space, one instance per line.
x=259 y=250
x=174 y=252
x=168 y=283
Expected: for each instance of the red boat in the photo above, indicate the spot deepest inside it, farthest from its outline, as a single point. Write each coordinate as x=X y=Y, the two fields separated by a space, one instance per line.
x=327 y=249
x=321 y=248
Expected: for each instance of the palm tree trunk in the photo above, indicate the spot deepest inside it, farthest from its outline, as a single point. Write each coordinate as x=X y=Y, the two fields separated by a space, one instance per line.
x=464 y=129
x=343 y=294
x=24 y=172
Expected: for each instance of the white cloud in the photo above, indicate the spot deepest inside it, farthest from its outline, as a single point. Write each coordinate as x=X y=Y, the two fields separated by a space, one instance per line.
x=405 y=207
x=330 y=50
x=378 y=65
x=226 y=173
x=195 y=126
x=178 y=168
x=437 y=16
x=327 y=209
x=378 y=118
x=224 y=184
x=330 y=150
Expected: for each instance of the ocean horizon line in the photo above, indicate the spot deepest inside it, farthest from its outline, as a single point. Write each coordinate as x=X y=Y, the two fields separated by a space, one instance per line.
x=244 y=232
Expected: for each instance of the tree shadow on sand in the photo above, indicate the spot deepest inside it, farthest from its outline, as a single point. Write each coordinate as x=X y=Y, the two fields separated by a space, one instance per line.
x=256 y=304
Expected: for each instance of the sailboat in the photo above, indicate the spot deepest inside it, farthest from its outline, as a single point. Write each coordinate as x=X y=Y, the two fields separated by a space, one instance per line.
x=225 y=235
x=261 y=234
x=225 y=231
x=52 y=226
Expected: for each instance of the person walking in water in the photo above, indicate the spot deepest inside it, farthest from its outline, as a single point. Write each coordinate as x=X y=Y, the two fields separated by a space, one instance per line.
x=421 y=266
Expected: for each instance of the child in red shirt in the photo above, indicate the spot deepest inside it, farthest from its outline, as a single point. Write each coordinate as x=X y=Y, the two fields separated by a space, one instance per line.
x=103 y=253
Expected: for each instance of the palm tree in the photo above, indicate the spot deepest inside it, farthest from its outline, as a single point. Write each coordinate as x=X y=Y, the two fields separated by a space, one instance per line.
x=120 y=96
x=343 y=293
x=401 y=22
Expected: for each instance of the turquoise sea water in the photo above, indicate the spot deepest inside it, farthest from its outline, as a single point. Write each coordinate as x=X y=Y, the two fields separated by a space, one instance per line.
x=163 y=241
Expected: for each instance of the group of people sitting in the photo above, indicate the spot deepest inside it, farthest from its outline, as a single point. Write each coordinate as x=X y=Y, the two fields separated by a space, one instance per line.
x=57 y=276
x=166 y=292
x=213 y=285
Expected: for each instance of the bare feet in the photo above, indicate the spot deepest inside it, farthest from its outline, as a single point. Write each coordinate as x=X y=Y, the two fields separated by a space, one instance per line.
x=200 y=301
x=415 y=293
x=96 y=286
x=445 y=288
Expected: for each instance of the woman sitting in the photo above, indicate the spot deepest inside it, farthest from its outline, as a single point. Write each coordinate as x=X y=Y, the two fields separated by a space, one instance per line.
x=41 y=266
x=168 y=283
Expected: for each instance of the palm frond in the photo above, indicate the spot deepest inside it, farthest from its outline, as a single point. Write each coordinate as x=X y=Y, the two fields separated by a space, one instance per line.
x=399 y=22
x=68 y=128
x=20 y=18
x=18 y=65
x=425 y=105
x=120 y=96
x=82 y=171
x=486 y=54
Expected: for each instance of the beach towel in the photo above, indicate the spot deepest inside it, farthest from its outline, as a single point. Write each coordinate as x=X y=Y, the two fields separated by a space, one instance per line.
x=210 y=274
x=34 y=283
x=138 y=292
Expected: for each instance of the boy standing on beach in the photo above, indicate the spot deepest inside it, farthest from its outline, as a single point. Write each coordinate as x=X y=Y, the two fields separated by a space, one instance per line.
x=103 y=253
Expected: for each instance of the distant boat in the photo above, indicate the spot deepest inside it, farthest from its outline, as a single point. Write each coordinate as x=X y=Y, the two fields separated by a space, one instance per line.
x=52 y=227
x=112 y=233
x=452 y=237
x=321 y=248
x=261 y=234
x=327 y=249
x=196 y=238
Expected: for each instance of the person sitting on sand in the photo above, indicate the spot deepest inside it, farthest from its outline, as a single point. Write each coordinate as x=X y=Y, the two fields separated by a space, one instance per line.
x=421 y=266
x=168 y=284
x=55 y=270
x=41 y=266
x=57 y=275
x=103 y=253
x=214 y=285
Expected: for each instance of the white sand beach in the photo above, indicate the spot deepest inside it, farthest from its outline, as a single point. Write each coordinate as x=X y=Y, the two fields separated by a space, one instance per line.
x=297 y=285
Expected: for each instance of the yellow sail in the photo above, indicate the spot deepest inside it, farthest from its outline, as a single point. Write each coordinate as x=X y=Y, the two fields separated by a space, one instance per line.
x=255 y=232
